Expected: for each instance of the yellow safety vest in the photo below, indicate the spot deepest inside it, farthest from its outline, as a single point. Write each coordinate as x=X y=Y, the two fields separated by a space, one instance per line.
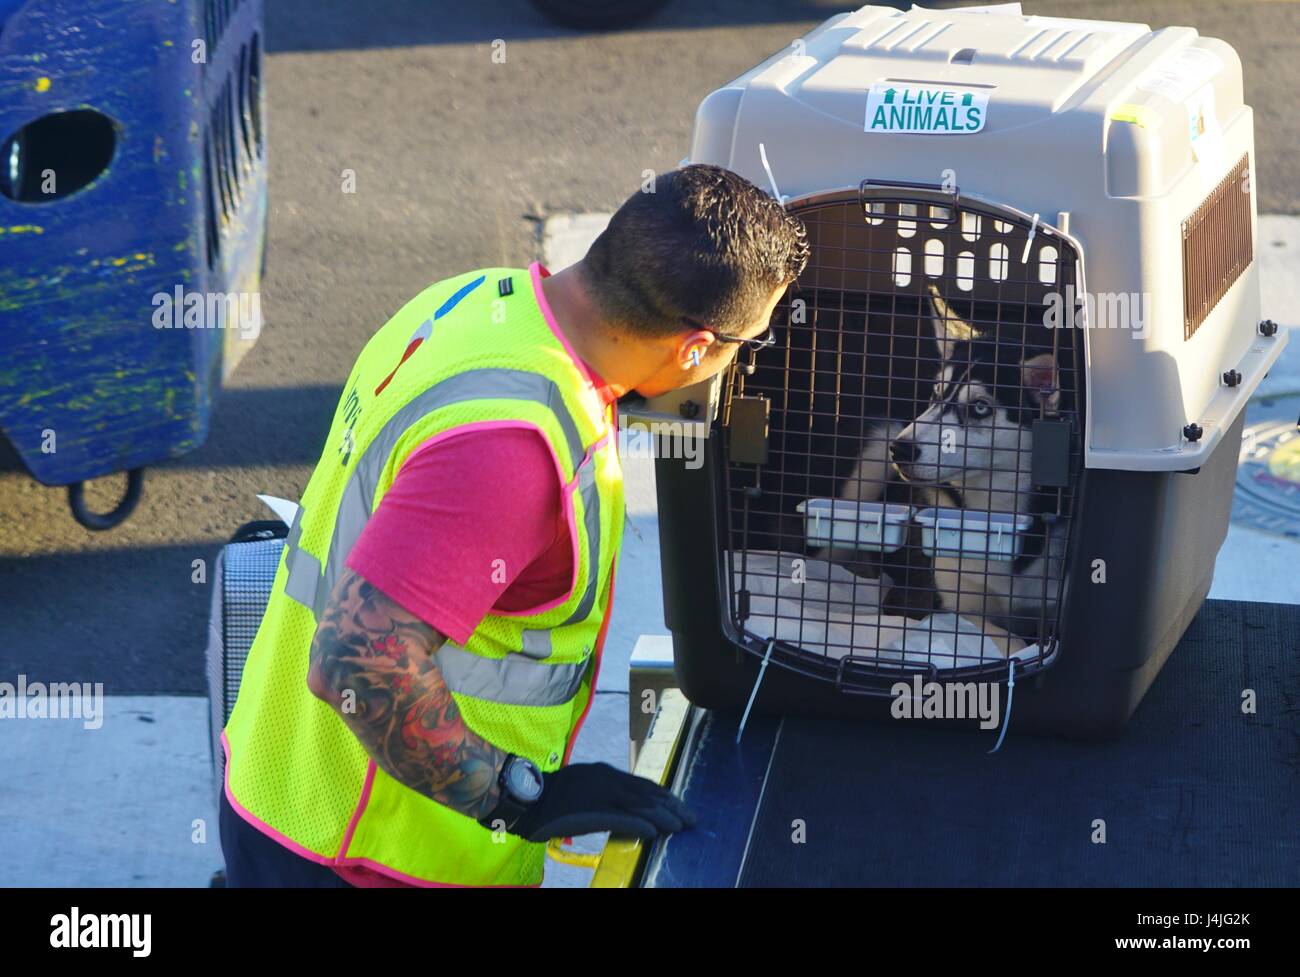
x=479 y=349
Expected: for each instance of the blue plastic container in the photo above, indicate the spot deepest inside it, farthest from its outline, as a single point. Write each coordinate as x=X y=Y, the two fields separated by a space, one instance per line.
x=132 y=188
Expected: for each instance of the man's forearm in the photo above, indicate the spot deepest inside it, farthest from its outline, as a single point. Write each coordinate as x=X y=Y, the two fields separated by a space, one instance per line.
x=373 y=661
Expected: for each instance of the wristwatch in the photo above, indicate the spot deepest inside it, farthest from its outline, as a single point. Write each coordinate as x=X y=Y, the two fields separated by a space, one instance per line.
x=521 y=785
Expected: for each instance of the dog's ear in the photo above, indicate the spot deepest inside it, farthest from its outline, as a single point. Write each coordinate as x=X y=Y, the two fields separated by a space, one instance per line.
x=1038 y=377
x=949 y=329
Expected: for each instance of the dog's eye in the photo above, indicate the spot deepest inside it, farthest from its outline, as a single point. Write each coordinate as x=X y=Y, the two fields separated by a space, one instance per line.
x=981 y=407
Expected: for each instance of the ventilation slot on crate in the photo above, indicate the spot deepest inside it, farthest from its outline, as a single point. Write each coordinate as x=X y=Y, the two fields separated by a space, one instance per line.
x=232 y=138
x=1217 y=246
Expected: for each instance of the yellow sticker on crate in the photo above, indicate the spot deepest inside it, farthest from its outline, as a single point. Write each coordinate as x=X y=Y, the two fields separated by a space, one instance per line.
x=1138 y=115
x=895 y=107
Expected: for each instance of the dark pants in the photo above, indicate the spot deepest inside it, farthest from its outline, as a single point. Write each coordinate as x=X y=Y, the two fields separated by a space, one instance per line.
x=255 y=861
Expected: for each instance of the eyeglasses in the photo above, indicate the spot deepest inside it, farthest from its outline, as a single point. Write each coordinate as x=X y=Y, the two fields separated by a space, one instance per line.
x=753 y=345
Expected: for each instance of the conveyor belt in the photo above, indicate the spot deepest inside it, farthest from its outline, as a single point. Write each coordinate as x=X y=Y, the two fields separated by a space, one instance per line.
x=1194 y=793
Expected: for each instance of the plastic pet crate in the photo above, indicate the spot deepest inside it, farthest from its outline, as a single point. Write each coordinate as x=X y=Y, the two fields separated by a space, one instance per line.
x=133 y=208
x=1027 y=332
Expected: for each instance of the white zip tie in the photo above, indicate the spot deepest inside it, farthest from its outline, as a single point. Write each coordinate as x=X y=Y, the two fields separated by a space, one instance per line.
x=762 y=154
x=1029 y=240
x=754 y=693
x=1011 y=692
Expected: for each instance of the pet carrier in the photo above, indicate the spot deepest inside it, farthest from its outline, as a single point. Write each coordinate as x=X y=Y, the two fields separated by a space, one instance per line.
x=964 y=461
x=132 y=222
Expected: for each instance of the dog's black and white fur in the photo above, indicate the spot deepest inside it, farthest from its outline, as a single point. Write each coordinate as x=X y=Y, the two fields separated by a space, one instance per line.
x=972 y=448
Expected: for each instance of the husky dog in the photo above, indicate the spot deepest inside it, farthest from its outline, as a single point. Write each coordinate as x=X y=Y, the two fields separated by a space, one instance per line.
x=972 y=447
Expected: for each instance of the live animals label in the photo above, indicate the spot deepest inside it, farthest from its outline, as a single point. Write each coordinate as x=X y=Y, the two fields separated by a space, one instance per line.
x=937 y=111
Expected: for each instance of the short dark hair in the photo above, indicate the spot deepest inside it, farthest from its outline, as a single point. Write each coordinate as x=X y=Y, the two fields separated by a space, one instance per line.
x=706 y=245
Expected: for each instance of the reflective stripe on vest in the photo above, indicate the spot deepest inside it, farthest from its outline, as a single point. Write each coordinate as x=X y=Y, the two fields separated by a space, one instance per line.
x=518 y=678
x=515 y=680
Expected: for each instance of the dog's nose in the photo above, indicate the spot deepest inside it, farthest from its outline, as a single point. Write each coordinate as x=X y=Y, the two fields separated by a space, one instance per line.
x=903 y=452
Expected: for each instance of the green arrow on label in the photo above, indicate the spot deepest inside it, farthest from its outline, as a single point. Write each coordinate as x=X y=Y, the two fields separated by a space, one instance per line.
x=965 y=99
x=889 y=95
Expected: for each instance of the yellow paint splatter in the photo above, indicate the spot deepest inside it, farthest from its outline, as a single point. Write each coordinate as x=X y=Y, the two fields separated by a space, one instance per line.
x=24 y=229
x=42 y=84
x=139 y=257
x=119 y=262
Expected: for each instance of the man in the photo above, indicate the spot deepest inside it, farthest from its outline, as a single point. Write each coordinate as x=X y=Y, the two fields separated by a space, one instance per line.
x=434 y=632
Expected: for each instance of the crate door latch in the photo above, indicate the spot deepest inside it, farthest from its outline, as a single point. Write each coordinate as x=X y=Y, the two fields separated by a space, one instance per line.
x=747 y=430
x=1050 y=460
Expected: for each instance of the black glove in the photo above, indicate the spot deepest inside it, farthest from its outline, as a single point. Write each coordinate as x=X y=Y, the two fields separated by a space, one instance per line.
x=585 y=798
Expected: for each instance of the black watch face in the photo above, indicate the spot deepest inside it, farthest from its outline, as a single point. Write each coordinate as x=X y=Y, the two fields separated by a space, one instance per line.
x=524 y=780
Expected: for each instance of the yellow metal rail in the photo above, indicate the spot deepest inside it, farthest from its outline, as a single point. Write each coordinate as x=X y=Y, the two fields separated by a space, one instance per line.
x=617 y=866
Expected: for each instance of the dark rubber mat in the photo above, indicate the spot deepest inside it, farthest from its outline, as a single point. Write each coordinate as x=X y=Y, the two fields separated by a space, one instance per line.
x=1194 y=792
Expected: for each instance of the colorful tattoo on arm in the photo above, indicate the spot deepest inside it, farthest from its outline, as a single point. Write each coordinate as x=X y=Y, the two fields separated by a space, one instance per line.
x=372 y=660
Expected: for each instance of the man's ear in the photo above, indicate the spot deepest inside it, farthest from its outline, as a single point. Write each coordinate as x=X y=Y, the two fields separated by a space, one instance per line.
x=949 y=330
x=700 y=340
x=1038 y=377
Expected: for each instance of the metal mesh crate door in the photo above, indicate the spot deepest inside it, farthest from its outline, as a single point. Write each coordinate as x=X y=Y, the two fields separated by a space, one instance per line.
x=923 y=442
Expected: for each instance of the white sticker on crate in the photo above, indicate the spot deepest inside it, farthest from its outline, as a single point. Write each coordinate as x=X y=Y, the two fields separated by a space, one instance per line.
x=1179 y=76
x=893 y=107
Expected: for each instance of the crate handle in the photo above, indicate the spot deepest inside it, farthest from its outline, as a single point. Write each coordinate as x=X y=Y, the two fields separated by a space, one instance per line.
x=99 y=521
x=880 y=684
x=954 y=193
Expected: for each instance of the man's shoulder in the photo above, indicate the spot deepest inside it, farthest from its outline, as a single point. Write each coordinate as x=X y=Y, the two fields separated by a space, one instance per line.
x=509 y=470
x=510 y=448
x=468 y=289
x=478 y=278
x=520 y=434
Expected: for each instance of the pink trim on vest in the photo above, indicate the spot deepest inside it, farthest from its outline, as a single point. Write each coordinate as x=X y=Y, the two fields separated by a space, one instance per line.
x=573 y=532
x=537 y=273
x=600 y=645
x=362 y=801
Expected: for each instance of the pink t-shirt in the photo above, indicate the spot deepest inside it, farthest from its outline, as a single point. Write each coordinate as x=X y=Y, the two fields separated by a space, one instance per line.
x=472 y=523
